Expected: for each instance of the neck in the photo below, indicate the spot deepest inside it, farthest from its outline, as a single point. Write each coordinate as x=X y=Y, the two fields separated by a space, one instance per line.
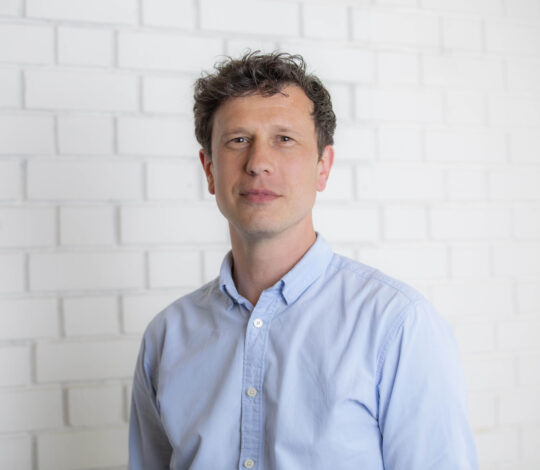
x=260 y=263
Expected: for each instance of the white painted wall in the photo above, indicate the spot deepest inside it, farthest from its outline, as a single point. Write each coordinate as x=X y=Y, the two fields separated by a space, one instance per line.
x=104 y=218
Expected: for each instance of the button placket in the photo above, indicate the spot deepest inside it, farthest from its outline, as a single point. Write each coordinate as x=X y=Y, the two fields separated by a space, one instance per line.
x=252 y=403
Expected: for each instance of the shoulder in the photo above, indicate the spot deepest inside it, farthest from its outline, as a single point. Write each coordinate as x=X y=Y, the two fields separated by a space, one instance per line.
x=388 y=305
x=179 y=312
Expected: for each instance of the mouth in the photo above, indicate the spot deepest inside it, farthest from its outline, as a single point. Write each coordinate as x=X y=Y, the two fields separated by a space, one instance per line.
x=258 y=195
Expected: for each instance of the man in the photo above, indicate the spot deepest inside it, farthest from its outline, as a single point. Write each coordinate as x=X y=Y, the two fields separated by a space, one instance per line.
x=294 y=358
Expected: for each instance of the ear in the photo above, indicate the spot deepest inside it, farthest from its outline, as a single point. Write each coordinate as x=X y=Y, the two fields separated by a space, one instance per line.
x=206 y=163
x=324 y=166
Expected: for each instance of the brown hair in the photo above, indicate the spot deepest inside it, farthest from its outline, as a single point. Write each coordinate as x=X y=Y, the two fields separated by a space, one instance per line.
x=266 y=74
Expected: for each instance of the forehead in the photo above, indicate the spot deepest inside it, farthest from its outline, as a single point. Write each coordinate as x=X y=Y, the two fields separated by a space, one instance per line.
x=290 y=106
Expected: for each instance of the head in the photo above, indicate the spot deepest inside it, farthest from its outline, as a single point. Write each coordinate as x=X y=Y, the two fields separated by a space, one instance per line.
x=266 y=74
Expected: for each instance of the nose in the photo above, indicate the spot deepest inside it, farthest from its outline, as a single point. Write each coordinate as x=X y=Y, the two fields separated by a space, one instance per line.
x=259 y=158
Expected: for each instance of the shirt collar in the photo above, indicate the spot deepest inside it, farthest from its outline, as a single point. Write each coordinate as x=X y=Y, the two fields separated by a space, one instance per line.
x=310 y=267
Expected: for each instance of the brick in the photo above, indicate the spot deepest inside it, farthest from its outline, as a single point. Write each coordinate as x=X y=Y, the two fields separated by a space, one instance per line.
x=464 y=108
x=493 y=7
x=238 y=47
x=354 y=143
x=85 y=270
x=11 y=272
x=482 y=410
x=362 y=224
x=172 y=13
x=474 y=298
x=89 y=360
x=174 y=268
x=168 y=95
x=238 y=16
x=399 y=105
x=179 y=180
x=30 y=409
x=74 y=179
x=399 y=144
x=79 y=450
x=27 y=226
x=138 y=309
x=405 y=183
x=170 y=224
x=400 y=3
x=70 y=89
x=527 y=222
x=28 y=318
x=337 y=64
x=528 y=296
x=408 y=261
x=409 y=28
x=9 y=87
x=462 y=33
x=10 y=179
x=519 y=407
x=529 y=444
x=213 y=257
x=404 y=222
x=470 y=261
x=523 y=8
x=514 y=112
x=16 y=129
x=26 y=43
x=524 y=145
x=465 y=146
x=84 y=46
x=517 y=259
x=16 y=452
x=467 y=184
x=489 y=372
x=157 y=136
x=476 y=335
x=103 y=11
x=452 y=71
x=341 y=100
x=520 y=183
x=325 y=21
x=89 y=406
x=398 y=68
x=87 y=226
x=166 y=51
x=14 y=365
x=520 y=38
x=498 y=445
x=463 y=223
x=85 y=135
x=339 y=186
x=87 y=316
x=521 y=334
x=524 y=75
x=11 y=8
x=528 y=367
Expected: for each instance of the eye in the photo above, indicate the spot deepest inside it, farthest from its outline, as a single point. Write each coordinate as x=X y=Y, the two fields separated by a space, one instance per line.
x=285 y=138
x=239 y=140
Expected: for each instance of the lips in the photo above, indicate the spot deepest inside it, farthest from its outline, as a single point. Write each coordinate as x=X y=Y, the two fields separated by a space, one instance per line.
x=258 y=195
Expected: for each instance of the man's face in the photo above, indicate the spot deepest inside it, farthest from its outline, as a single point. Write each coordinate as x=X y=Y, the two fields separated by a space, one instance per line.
x=264 y=168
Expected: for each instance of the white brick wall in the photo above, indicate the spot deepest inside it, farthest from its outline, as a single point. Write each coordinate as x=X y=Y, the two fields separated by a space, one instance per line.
x=105 y=219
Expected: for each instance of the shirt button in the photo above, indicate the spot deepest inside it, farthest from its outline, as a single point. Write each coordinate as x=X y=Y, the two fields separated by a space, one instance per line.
x=248 y=463
x=252 y=391
x=258 y=322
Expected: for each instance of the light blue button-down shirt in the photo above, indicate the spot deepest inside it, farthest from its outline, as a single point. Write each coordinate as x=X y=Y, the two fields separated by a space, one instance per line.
x=337 y=367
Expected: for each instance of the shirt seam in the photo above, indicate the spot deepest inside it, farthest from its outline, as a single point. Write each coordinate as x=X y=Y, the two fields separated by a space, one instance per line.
x=371 y=276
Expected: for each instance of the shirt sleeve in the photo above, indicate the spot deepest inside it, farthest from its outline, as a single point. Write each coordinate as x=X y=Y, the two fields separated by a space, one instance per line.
x=149 y=447
x=422 y=399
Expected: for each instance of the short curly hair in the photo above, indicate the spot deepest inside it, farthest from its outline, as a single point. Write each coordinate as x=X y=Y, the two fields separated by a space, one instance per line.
x=267 y=74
